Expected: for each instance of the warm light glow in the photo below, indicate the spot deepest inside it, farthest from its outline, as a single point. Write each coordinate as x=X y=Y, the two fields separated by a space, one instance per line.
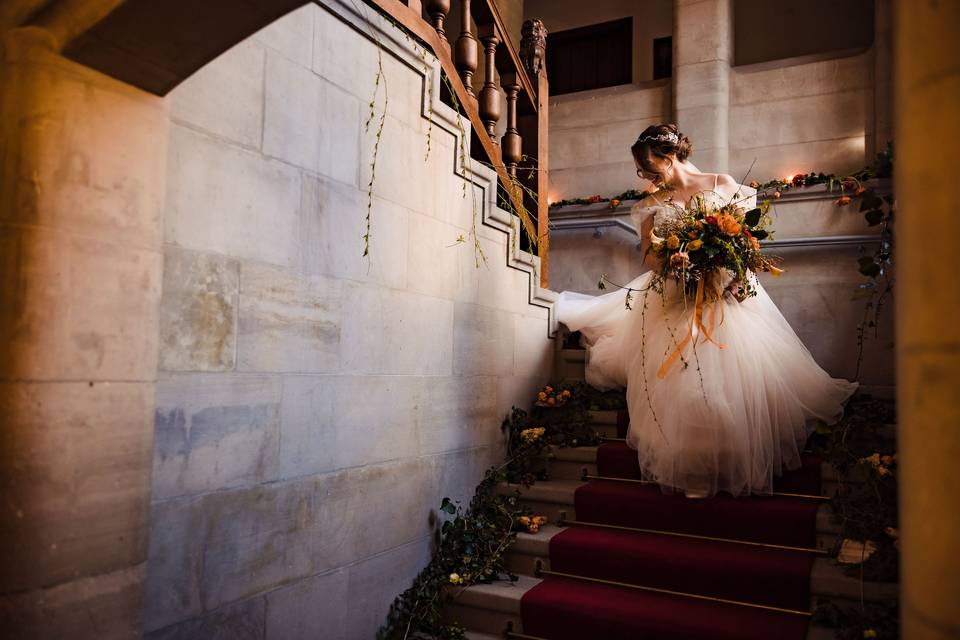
x=789 y=178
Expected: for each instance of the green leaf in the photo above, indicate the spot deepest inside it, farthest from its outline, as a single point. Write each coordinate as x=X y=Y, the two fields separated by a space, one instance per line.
x=874 y=217
x=870 y=201
x=752 y=218
x=448 y=506
x=759 y=234
x=868 y=267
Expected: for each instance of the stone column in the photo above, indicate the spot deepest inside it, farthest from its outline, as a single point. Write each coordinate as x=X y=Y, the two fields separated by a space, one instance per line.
x=880 y=130
x=81 y=189
x=702 y=56
x=927 y=130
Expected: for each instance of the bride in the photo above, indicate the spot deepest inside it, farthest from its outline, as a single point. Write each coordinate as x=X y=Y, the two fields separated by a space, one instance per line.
x=725 y=414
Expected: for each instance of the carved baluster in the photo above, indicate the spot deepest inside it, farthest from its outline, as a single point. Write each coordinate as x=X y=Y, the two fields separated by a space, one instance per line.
x=511 y=144
x=490 y=92
x=466 y=58
x=437 y=10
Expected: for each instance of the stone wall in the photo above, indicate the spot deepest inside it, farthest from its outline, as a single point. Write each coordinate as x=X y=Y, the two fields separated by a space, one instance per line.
x=315 y=405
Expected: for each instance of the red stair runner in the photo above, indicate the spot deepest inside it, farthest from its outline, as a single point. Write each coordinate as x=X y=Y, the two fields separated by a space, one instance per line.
x=561 y=608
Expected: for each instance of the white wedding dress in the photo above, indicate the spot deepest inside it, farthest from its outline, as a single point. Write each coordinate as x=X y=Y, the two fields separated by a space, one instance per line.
x=721 y=419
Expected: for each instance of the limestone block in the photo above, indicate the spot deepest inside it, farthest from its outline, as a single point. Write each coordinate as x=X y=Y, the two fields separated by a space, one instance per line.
x=593 y=109
x=77 y=480
x=293 y=111
x=458 y=413
x=243 y=620
x=456 y=474
x=344 y=55
x=292 y=34
x=269 y=535
x=749 y=85
x=105 y=296
x=405 y=87
x=402 y=173
x=516 y=391
x=717 y=160
x=437 y=263
x=376 y=418
x=801 y=119
x=308 y=438
x=574 y=147
x=225 y=97
x=702 y=84
x=395 y=332
x=483 y=340
x=840 y=156
x=705 y=126
x=288 y=321
x=231 y=201
x=332 y=227
x=175 y=563
x=616 y=138
x=198 y=311
x=374 y=583
x=705 y=31
x=313 y=608
x=533 y=355
x=214 y=432
x=605 y=178
x=102 y=606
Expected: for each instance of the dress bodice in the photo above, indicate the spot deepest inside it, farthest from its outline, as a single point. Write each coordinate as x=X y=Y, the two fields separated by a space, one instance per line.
x=666 y=214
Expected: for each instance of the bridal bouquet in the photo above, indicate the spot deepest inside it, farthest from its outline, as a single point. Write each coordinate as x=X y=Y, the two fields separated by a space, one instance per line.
x=711 y=249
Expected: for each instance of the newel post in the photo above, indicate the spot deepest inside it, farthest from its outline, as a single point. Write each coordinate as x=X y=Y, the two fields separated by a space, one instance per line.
x=533 y=54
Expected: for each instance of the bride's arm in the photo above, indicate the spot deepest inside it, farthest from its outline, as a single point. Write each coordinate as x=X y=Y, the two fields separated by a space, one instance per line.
x=643 y=221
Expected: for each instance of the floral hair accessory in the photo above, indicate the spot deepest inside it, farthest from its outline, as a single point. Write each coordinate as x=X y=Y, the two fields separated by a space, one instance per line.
x=661 y=137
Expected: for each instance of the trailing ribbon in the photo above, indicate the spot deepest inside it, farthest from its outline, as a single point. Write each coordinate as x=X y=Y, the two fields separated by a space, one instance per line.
x=696 y=326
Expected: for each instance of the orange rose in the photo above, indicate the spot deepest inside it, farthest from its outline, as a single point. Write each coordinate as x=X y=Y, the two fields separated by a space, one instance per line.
x=776 y=194
x=728 y=224
x=843 y=200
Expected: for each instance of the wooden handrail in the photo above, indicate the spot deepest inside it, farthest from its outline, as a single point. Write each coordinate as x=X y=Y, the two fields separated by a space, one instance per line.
x=409 y=14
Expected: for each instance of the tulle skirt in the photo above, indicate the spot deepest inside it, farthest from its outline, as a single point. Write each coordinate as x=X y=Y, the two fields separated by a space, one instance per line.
x=720 y=419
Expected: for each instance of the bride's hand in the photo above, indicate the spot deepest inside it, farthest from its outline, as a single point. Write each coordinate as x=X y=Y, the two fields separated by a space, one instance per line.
x=736 y=291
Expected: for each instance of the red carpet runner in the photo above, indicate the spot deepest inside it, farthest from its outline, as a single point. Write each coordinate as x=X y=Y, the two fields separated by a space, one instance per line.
x=562 y=608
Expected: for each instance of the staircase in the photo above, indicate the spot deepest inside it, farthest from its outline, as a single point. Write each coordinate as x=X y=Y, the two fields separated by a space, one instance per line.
x=619 y=559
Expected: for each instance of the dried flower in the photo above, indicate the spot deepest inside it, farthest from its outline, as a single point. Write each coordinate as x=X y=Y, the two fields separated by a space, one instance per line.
x=455 y=578
x=673 y=242
x=776 y=194
x=614 y=203
x=843 y=200
x=754 y=184
x=680 y=260
x=694 y=245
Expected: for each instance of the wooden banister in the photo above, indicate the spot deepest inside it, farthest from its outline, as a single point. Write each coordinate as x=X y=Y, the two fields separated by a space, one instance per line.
x=524 y=75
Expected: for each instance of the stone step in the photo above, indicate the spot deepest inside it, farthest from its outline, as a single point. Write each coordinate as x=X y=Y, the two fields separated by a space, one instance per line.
x=487 y=608
x=827 y=580
x=567 y=463
x=551 y=497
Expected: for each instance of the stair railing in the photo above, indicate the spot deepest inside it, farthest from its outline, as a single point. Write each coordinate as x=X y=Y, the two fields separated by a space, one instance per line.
x=522 y=88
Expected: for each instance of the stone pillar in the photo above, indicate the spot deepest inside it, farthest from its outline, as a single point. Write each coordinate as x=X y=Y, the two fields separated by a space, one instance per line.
x=880 y=130
x=927 y=130
x=702 y=56
x=82 y=164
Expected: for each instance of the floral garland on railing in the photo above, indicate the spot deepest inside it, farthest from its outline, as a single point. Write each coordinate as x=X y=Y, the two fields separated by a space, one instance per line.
x=472 y=543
